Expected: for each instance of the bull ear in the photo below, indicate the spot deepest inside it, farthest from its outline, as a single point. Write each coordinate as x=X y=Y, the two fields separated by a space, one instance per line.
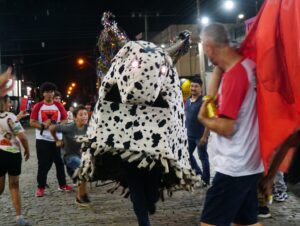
x=180 y=47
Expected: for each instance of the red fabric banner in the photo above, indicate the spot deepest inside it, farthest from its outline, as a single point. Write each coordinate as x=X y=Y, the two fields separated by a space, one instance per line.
x=274 y=43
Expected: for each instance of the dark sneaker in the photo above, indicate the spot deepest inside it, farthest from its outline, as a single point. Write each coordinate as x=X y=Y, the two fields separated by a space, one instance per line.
x=83 y=201
x=264 y=212
x=22 y=222
x=205 y=183
x=201 y=184
x=65 y=188
x=40 y=192
x=151 y=208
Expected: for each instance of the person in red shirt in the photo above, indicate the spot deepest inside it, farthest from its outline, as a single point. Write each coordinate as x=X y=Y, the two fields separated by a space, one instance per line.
x=235 y=135
x=46 y=113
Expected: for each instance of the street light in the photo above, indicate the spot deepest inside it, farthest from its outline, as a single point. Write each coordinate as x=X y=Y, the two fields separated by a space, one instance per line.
x=80 y=61
x=241 y=16
x=204 y=20
x=229 y=5
x=73 y=84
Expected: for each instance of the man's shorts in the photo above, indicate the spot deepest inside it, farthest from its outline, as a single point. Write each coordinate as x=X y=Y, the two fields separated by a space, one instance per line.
x=231 y=199
x=10 y=163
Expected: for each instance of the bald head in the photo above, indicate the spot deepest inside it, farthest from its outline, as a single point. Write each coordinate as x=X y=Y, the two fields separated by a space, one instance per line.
x=215 y=33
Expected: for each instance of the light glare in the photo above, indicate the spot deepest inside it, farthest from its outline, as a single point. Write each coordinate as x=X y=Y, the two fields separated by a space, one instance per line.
x=241 y=16
x=229 y=5
x=164 y=69
x=135 y=63
x=80 y=61
x=205 y=20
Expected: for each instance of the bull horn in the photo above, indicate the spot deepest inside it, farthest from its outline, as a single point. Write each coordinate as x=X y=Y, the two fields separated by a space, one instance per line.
x=180 y=47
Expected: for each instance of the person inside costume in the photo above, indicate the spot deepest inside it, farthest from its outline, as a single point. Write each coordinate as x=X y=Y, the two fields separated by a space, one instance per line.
x=136 y=135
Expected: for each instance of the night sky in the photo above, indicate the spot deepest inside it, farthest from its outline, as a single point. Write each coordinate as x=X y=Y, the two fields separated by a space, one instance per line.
x=47 y=36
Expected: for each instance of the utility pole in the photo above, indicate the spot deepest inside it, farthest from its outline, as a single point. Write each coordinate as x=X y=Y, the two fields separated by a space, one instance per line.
x=198 y=8
x=200 y=50
x=146 y=16
x=146 y=26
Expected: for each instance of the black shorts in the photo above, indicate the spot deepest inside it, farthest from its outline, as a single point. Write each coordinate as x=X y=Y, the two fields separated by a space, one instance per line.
x=231 y=199
x=10 y=163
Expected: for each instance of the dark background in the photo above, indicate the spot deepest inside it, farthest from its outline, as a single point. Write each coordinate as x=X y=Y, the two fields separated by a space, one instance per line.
x=44 y=38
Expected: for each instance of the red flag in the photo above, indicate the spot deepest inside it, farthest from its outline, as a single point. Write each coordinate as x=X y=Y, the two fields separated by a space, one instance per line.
x=274 y=43
x=23 y=104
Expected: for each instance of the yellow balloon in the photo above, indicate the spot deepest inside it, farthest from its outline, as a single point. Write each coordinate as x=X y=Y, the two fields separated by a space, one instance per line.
x=185 y=87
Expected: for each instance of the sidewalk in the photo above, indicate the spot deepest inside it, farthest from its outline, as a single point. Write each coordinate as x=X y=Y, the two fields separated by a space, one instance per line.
x=57 y=208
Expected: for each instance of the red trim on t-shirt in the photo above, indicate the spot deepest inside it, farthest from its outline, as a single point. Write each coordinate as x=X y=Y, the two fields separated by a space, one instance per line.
x=63 y=112
x=234 y=88
x=35 y=111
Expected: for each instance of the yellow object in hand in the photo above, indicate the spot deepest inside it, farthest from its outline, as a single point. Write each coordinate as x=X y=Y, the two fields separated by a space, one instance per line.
x=211 y=107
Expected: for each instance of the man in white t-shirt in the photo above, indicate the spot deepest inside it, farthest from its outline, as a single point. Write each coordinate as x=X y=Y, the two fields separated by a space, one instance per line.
x=44 y=114
x=70 y=116
x=12 y=136
x=235 y=137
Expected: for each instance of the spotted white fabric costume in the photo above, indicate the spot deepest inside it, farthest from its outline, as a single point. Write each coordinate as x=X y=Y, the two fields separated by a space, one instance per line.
x=139 y=117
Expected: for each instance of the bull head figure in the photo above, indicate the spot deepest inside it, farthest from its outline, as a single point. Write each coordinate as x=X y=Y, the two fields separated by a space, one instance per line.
x=139 y=116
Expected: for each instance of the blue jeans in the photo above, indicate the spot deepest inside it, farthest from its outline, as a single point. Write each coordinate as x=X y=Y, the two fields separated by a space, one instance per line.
x=72 y=163
x=202 y=152
x=279 y=183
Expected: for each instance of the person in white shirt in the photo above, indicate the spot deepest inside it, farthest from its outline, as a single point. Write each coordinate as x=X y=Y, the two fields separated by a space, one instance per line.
x=235 y=135
x=70 y=116
x=12 y=135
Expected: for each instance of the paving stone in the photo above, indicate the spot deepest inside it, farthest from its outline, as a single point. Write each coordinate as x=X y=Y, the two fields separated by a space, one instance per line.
x=58 y=208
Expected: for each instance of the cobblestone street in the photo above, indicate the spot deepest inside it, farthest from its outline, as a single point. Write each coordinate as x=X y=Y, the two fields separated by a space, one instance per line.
x=58 y=208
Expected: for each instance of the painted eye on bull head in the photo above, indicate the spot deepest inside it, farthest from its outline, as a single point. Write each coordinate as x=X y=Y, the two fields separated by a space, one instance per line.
x=164 y=70
x=135 y=63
